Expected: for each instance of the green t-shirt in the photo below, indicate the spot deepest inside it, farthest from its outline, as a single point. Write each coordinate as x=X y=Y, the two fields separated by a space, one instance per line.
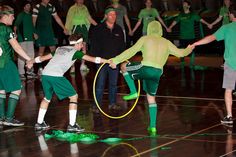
x=227 y=33
x=44 y=16
x=224 y=12
x=187 y=25
x=147 y=15
x=25 y=28
x=6 y=50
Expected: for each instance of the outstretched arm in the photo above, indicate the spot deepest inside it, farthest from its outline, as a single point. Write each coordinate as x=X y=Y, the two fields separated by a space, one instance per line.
x=205 y=40
x=97 y=60
x=40 y=59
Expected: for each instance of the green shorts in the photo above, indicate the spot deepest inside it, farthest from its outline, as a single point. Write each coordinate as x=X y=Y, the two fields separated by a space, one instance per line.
x=60 y=85
x=9 y=77
x=150 y=76
x=82 y=29
x=45 y=38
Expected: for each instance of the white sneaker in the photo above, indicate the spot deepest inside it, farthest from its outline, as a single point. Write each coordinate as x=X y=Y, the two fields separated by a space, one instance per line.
x=84 y=67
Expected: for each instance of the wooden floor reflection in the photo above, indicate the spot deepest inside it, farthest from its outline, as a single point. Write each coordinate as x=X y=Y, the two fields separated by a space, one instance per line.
x=190 y=105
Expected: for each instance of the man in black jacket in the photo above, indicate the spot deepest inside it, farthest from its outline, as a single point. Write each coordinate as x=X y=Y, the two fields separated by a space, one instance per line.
x=107 y=41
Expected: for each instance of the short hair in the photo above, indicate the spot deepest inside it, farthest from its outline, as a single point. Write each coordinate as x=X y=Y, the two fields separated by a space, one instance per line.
x=232 y=10
x=188 y=2
x=5 y=10
x=108 y=9
x=75 y=37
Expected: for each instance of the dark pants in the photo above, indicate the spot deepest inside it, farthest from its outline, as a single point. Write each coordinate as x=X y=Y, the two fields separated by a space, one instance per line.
x=112 y=75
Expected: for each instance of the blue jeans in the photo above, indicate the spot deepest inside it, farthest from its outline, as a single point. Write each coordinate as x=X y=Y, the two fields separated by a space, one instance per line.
x=102 y=81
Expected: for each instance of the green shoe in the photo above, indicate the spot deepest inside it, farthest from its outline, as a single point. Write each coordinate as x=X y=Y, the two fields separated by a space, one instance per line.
x=152 y=131
x=130 y=96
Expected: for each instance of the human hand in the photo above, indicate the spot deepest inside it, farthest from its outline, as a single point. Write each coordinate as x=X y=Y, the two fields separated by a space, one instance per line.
x=35 y=36
x=112 y=65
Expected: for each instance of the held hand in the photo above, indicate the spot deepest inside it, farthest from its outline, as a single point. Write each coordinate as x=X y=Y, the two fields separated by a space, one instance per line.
x=131 y=33
x=36 y=36
x=66 y=32
x=112 y=65
x=29 y=64
x=210 y=26
x=191 y=46
x=168 y=30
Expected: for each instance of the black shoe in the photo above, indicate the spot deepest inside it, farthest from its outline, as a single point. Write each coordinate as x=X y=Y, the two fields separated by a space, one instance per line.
x=12 y=122
x=1 y=121
x=227 y=120
x=95 y=109
x=75 y=128
x=41 y=126
x=22 y=77
x=31 y=75
x=114 y=107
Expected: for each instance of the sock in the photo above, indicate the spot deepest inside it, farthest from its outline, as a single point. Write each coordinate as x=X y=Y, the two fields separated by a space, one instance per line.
x=153 y=115
x=2 y=105
x=72 y=117
x=130 y=83
x=192 y=59
x=229 y=115
x=41 y=115
x=12 y=102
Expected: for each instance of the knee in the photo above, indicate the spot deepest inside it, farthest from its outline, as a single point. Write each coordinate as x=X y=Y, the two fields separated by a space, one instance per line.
x=18 y=92
x=74 y=98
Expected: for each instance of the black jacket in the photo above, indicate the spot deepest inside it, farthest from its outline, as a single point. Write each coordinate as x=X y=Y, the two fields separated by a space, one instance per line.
x=105 y=42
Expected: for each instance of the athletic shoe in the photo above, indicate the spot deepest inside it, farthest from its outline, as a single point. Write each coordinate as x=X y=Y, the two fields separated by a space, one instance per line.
x=75 y=128
x=152 y=131
x=114 y=107
x=40 y=71
x=130 y=96
x=41 y=126
x=31 y=75
x=12 y=122
x=227 y=120
x=84 y=67
x=22 y=77
x=1 y=121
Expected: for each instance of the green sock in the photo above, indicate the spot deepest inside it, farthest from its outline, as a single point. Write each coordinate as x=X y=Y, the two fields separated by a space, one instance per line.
x=130 y=83
x=192 y=59
x=153 y=115
x=12 y=102
x=2 y=105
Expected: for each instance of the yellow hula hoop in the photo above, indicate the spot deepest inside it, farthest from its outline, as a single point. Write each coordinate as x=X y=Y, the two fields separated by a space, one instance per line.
x=126 y=144
x=95 y=99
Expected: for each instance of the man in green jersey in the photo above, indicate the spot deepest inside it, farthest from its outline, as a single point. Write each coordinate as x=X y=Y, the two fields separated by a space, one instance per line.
x=9 y=76
x=155 y=51
x=25 y=31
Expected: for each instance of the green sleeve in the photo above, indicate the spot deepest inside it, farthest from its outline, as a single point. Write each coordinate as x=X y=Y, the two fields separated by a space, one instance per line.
x=18 y=19
x=196 y=17
x=140 y=15
x=220 y=33
x=177 y=19
x=222 y=11
x=78 y=55
x=127 y=54
x=155 y=12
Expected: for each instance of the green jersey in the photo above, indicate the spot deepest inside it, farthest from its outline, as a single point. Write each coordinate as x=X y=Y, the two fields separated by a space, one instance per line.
x=44 y=16
x=227 y=33
x=187 y=25
x=25 y=28
x=224 y=12
x=147 y=15
x=6 y=50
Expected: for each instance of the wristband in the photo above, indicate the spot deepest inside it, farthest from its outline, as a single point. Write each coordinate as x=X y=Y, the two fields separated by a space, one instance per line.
x=37 y=60
x=98 y=60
